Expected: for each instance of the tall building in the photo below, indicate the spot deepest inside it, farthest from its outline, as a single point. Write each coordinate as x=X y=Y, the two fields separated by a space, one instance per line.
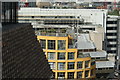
x=22 y=56
x=112 y=33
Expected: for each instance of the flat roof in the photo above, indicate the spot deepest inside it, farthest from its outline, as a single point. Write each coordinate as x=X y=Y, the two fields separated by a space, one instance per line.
x=97 y=54
x=84 y=42
x=105 y=64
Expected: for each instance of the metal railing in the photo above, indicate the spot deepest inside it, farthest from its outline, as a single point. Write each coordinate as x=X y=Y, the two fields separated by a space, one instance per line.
x=51 y=34
x=84 y=55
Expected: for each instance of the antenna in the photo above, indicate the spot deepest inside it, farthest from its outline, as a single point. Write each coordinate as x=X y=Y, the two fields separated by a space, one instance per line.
x=114 y=4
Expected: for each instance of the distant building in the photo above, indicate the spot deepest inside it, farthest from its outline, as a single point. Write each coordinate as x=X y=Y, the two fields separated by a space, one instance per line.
x=21 y=56
x=112 y=33
x=62 y=16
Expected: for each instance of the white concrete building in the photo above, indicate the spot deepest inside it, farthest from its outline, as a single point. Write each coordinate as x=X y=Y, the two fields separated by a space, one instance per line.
x=94 y=16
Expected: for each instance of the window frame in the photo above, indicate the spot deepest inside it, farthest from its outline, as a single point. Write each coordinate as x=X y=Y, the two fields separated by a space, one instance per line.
x=71 y=56
x=71 y=64
x=51 y=44
x=61 y=55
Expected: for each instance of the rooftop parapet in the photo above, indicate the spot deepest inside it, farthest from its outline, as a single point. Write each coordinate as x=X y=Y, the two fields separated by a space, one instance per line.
x=51 y=34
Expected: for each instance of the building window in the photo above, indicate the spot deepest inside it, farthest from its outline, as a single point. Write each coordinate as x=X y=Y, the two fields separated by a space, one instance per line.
x=61 y=55
x=98 y=58
x=71 y=65
x=52 y=65
x=43 y=44
x=70 y=75
x=53 y=75
x=92 y=63
x=51 y=55
x=71 y=55
x=92 y=72
x=79 y=74
x=80 y=55
x=61 y=66
x=9 y=12
x=86 y=74
x=100 y=68
x=61 y=44
x=87 y=64
x=51 y=44
x=111 y=22
x=61 y=75
x=111 y=68
x=79 y=65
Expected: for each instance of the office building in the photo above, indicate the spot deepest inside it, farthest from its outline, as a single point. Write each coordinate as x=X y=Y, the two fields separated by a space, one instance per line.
x=112 y=33
x=89 y=42
x=65 y=55
x=62 y=16
x=21 y=56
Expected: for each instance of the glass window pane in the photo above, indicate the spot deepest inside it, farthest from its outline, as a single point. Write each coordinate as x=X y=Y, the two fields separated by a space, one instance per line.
x=92 y=63
x=79 y=65
x=53 y=75
x=61 y=75
x=51 y=44
x=92 y=72
x=70 y=75
x=86 y=73
x=43 y=44
x=71 y=65
x=79 y=74
x=61 y=66
x=52 y=65
x=71 y=55
x=51 y=55
x=87 y=64
x=61 y=44
x=80 y=55
x=61 y=55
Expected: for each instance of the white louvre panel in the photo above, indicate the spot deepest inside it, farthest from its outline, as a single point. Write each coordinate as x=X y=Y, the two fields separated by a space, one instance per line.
x=113 y=48
x=111 y=25
x=113 y=42
x=111 y=37
x=111 y=31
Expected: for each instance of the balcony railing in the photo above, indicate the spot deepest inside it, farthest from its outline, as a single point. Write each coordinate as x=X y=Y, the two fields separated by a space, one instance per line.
x=51 y=34
x=84 y=55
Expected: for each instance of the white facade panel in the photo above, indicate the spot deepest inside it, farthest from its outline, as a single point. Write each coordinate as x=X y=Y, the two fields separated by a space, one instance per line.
x=111 y=25
x=111 y=31
x=95 y=16
x=111 y=37
x=113 y=42
x=113 y=49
